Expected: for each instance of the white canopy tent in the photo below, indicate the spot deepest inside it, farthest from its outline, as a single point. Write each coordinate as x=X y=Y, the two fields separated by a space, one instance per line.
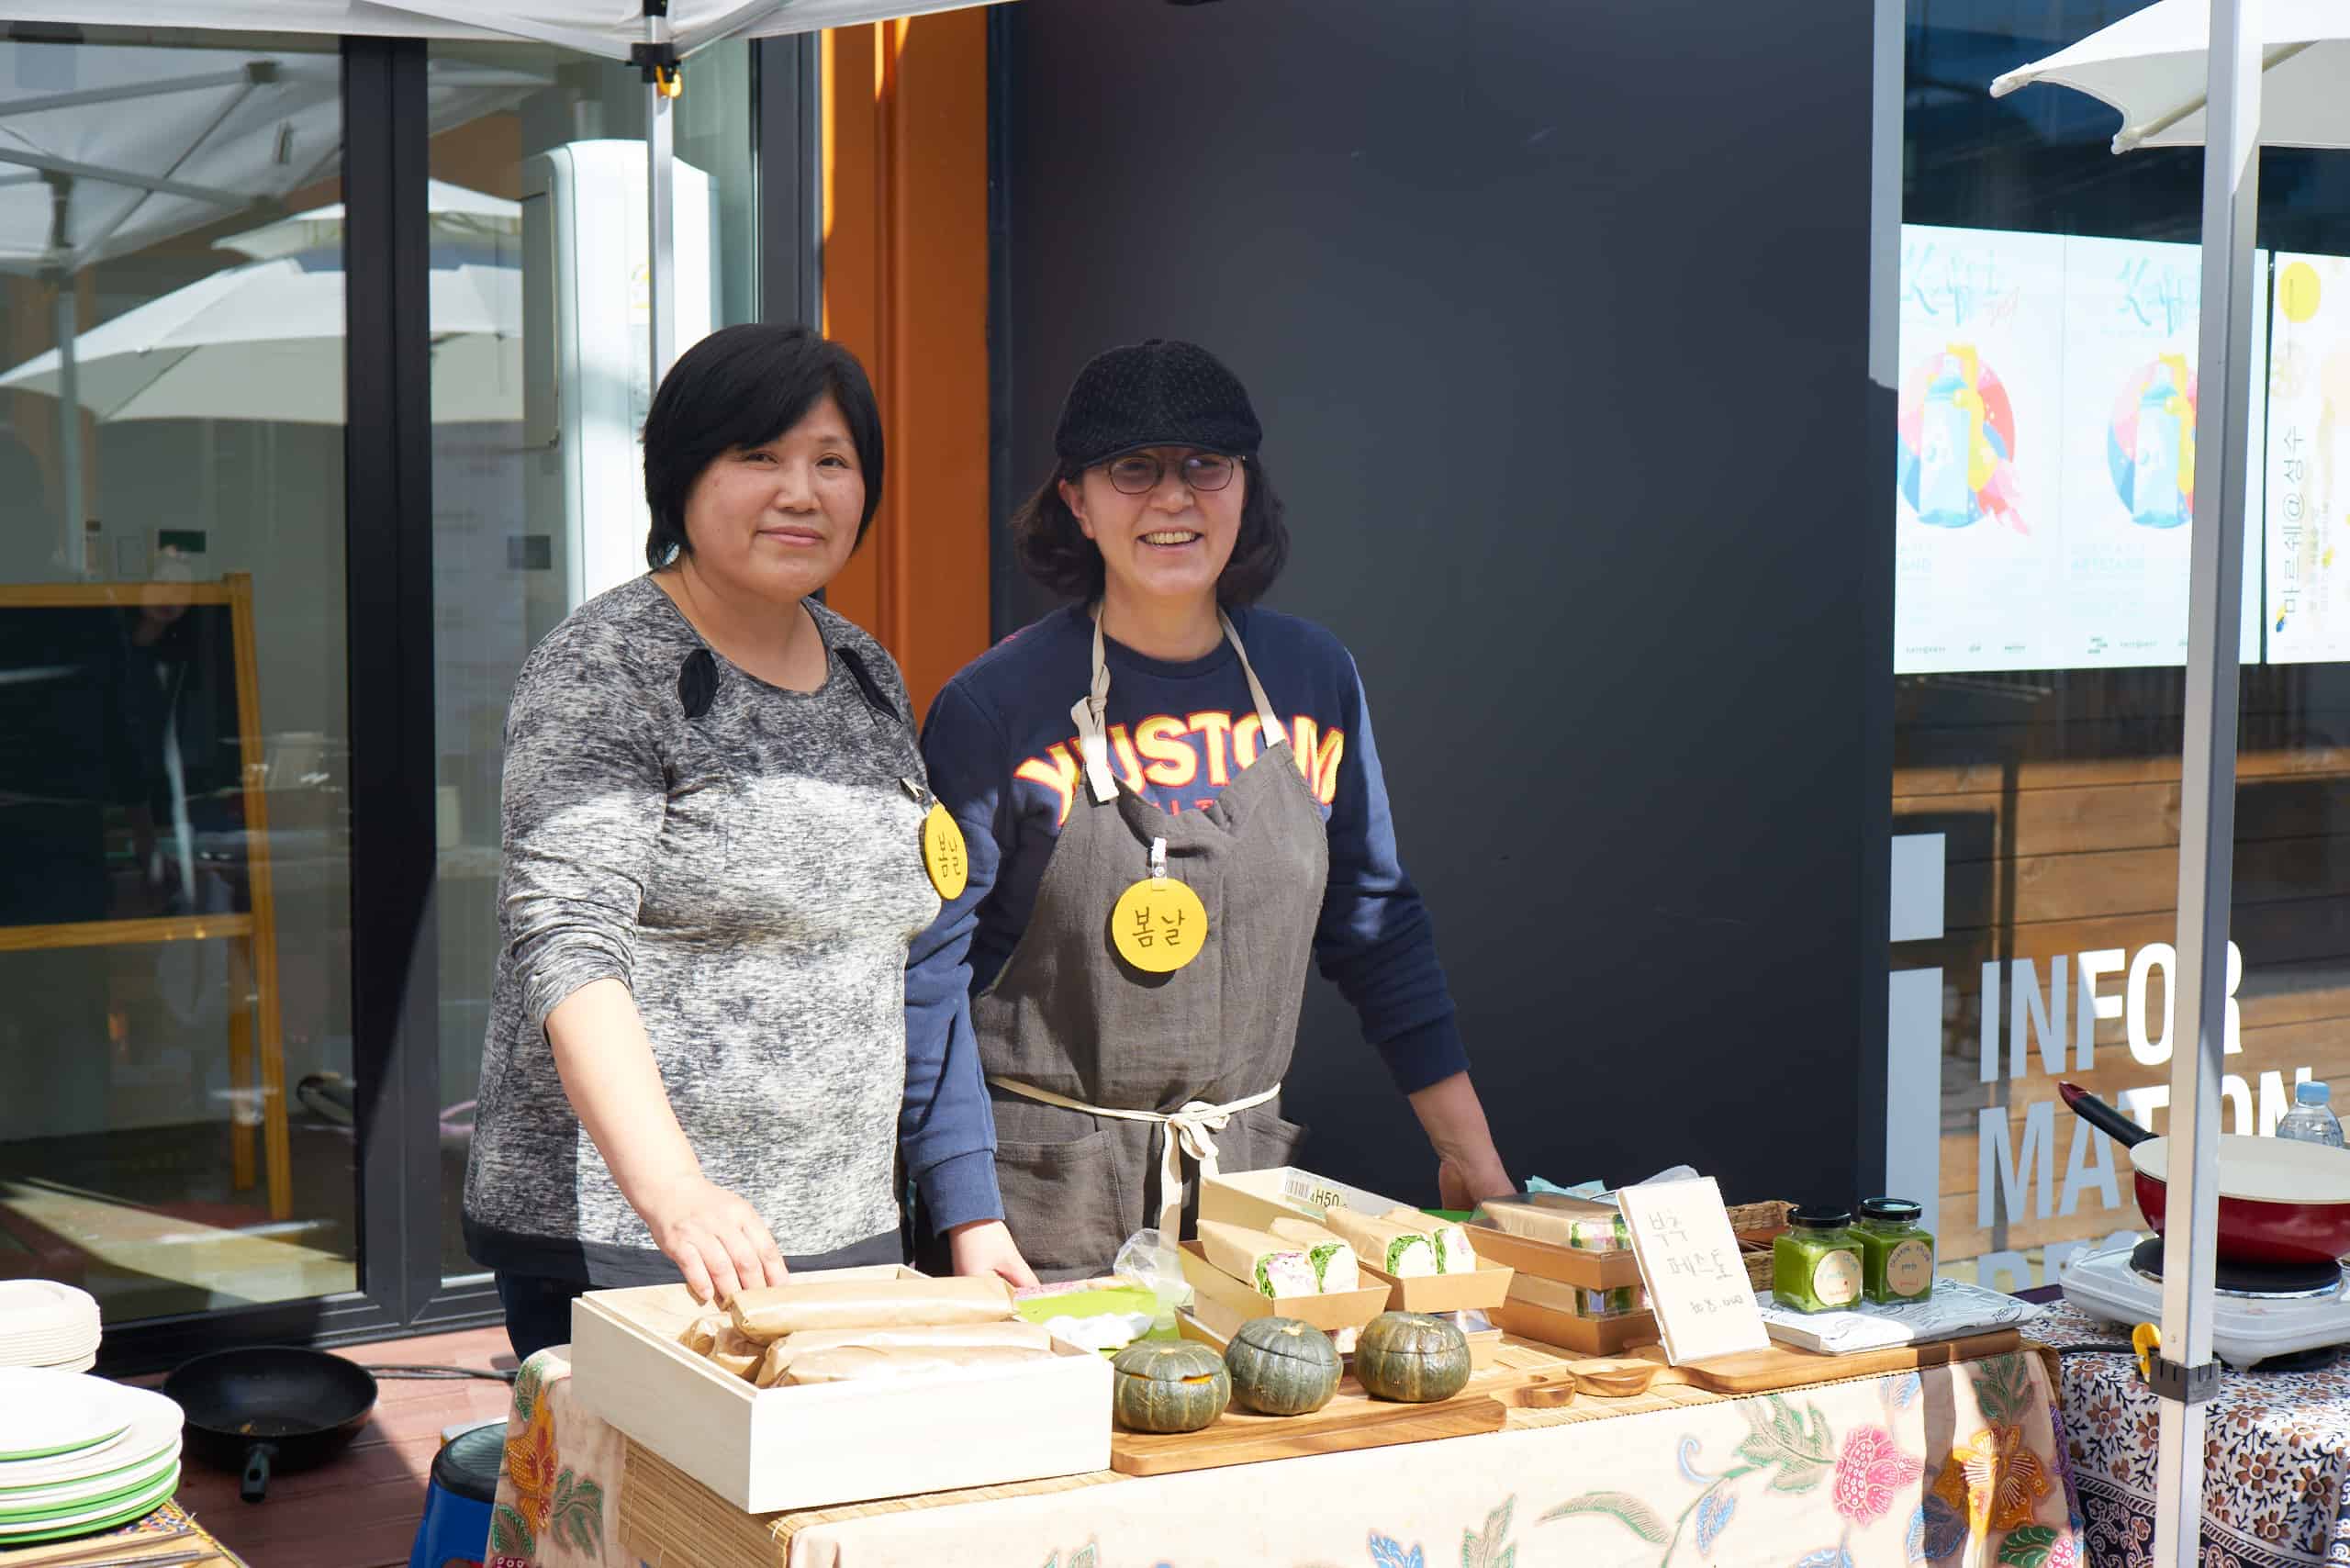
x=608 y=27
x=656 y=35
x=2228 y=75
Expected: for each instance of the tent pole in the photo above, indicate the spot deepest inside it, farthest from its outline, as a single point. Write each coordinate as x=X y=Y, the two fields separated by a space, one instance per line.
x=661 y=229
x=2185 y=1375
x=68 y=424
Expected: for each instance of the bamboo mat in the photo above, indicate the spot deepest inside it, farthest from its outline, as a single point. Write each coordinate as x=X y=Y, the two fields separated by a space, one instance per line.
x=669 y=1520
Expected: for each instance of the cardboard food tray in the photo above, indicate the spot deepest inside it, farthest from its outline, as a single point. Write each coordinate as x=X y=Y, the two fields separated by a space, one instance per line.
x=1586 y=1335
x=1257 y=1198
x=1484 y=1289
x=1548 y=1261
x=765 y=1450
x=1345 y=1309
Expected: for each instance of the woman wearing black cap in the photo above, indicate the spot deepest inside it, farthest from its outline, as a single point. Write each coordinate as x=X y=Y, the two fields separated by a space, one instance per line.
x=697 y=1063
x=1172 y=800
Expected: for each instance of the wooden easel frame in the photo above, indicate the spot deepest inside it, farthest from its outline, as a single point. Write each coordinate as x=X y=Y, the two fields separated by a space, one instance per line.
x=253 y=1021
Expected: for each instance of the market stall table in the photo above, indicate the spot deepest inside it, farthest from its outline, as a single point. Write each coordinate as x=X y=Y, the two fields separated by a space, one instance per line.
x=1912 y=1467
x=2276 y=1455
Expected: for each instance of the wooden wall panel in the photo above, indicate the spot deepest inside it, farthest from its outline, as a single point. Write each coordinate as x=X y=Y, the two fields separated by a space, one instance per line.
x=906 y=288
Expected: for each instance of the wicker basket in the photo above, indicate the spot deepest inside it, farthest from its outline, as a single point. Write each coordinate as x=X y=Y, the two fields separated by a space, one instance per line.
x=1755 y=1226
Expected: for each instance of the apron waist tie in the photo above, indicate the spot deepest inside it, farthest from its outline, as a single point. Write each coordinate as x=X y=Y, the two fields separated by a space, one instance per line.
x=1190 y=1130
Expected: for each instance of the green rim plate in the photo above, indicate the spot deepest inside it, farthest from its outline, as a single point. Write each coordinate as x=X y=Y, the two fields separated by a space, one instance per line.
x=137 y=1509
x=67 y=1447
x=123 y=1487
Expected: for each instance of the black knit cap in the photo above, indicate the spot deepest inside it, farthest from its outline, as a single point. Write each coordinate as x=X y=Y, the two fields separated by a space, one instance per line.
x=1159 y=392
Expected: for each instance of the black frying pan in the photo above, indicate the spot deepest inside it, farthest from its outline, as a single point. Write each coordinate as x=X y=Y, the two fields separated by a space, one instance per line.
x=272 y=1406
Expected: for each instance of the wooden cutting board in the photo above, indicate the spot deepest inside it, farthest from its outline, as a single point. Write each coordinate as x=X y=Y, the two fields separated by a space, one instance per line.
x=1352 y=1419
x=1751 y=1372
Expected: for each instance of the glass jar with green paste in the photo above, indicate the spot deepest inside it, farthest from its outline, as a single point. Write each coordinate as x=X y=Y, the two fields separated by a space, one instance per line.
x=1816 y=1262
x=1896 y=1251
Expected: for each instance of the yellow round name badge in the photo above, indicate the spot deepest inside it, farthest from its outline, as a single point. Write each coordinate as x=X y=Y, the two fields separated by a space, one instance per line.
x=943 y=855
x=1159 y=924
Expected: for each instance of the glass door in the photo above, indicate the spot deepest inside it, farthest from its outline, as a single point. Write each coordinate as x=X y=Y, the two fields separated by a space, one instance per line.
x=176 y=1126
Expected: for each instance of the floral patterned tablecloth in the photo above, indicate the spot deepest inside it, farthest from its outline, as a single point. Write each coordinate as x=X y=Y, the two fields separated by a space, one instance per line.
x=1958 y=1465
x=2276 y=1454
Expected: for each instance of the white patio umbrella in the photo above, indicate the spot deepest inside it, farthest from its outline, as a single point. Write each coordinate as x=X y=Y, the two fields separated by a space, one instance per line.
x=264 y=339
x=2151 y=67
x=2229 y=76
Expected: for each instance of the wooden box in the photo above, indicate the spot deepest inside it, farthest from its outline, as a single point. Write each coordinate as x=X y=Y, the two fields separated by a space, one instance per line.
x=763 y=1449
x=1223 y=1300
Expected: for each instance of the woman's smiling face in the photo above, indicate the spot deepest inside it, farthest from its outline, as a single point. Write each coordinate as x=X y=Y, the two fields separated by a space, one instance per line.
x=1172 y=541
x=780 y=519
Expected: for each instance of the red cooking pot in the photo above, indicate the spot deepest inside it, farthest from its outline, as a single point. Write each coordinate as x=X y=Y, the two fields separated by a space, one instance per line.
x=2280 y=1202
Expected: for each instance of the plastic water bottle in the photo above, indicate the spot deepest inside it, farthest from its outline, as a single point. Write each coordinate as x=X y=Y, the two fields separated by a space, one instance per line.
x=2311 y=1119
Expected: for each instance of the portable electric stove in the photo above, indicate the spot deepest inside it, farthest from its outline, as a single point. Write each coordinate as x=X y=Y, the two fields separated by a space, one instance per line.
x=2261 y=1314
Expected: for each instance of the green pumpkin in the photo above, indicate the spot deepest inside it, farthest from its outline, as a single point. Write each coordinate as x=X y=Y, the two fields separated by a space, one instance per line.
x=1282 y=1367
x=1412 y=1358
x=1167 y=1386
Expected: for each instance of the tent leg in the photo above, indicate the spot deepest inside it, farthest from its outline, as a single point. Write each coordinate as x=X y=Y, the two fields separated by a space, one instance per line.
x=69 y=426
x=2208 y=760
x=661 y=228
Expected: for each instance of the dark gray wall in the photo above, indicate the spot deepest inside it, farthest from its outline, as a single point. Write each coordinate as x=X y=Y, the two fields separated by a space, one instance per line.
x=1557 y=317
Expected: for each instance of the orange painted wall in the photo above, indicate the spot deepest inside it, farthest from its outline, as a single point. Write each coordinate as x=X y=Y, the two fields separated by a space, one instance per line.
x=906 y=287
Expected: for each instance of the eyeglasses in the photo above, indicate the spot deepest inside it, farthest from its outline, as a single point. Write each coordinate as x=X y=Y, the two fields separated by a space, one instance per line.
x=1139 y=473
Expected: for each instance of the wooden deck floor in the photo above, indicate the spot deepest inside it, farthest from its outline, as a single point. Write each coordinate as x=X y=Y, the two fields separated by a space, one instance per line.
x=360 y=1511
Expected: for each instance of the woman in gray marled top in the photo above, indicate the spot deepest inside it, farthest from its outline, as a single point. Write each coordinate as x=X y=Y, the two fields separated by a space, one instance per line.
x=697 y=1058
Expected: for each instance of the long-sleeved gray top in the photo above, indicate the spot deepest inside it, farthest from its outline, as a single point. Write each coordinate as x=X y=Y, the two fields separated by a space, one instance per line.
x=753 y=876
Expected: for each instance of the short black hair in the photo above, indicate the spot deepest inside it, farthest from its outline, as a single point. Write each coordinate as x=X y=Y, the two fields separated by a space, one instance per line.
x=1054 y=550
x=741 y=387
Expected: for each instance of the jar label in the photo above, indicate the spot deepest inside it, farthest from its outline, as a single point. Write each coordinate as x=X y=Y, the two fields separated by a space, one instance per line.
x=1909 y=1270
x=1836 y=1278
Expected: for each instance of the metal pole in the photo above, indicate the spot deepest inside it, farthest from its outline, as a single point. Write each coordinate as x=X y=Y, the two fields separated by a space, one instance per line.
x=661 y=227
x=68 y=424
x=2208 y=761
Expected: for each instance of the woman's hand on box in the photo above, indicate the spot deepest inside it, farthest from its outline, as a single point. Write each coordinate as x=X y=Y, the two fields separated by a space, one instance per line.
x=717 y=1240
x=985 y=1247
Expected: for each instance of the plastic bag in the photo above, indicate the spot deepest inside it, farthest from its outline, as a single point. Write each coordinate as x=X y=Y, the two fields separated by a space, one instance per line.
x=1147 y=1261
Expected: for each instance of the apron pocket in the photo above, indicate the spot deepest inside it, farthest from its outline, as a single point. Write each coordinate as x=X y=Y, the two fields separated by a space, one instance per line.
x=1063 y=1204
x=1258 y=1139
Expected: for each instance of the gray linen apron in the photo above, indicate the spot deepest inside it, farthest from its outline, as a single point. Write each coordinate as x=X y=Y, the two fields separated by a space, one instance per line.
x=1069 y=1017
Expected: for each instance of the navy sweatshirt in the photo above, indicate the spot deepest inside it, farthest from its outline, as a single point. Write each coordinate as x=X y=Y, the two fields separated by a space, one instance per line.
x=1003 y=756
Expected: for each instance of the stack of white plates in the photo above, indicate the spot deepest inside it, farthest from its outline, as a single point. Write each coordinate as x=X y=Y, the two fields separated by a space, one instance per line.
x=78 y=1454
x=44 y=1324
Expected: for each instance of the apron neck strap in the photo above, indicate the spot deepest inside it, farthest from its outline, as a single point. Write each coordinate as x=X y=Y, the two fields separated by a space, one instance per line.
x=1094 y=741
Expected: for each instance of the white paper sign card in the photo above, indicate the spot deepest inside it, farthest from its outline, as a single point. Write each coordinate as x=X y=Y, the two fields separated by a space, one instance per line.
x=1689 y=1260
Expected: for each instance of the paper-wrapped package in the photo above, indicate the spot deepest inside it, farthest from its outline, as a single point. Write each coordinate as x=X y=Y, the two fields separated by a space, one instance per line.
x=1273 y=1267
x=736 y=1352
x=1405 y=1252
x=1335 y=1268
x=773 y=1311
x=1563 y=1222
x=1454 y=1255
x=853 y=1361
x=1014 y=1334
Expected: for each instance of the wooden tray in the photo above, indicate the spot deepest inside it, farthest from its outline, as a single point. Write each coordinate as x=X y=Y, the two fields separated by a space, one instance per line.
x=1752 y=1372
x=1352 y=1419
